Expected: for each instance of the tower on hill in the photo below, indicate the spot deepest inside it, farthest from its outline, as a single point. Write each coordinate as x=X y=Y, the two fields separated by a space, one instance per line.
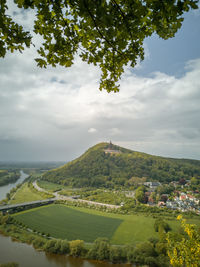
x=111 y=149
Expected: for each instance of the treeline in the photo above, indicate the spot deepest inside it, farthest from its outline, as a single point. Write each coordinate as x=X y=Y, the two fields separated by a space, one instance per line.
x=7 y=177
x=151 y=253
x=96 y=168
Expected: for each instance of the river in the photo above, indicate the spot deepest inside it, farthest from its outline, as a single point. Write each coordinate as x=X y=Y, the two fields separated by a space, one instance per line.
x=27 y=256
x=6 y=188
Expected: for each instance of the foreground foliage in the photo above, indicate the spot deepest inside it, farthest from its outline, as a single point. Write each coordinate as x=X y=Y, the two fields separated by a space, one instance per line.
x=185 y=251
x=109 y=34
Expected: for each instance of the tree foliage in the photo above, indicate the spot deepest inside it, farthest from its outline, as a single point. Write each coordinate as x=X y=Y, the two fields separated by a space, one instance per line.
x=161 y=225
x=95 y=168
x=185 y=252
x=109 y=34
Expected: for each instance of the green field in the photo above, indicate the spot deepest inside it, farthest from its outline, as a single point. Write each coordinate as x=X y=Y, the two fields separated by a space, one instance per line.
x=49 y=186
x=26 y=194
x=61 y=221
x=68 y=223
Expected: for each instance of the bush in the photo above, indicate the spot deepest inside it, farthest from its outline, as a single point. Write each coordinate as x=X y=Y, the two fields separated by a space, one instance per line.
x=76 y=247
x=117 y=254
x=161 y=225
x=38 y=242
x=100 y=249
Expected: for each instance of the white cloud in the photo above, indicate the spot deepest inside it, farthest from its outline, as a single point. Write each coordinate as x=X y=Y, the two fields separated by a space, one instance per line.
x=92 y=130
x=59 y=105
x=44 y=113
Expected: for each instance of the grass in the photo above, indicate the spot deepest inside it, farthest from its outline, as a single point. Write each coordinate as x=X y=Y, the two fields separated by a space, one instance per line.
x=52 y=187
x=63 y=222
x=26 y=194
x=133 y=229
x=104 y=196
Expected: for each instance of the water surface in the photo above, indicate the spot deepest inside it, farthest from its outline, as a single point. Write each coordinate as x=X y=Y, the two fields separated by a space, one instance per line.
x=27 y=256
x=6 y=188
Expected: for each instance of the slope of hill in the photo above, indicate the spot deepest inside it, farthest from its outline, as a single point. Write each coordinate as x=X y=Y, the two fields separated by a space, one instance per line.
x=107 y=165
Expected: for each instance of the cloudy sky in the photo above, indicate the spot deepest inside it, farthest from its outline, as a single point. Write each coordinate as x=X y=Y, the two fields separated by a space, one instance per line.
x=57 y=114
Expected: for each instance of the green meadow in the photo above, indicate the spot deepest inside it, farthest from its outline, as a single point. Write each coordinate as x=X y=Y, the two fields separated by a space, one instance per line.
x=61 y=221
x=26 y=193
x=67 y=223
x=52 y=187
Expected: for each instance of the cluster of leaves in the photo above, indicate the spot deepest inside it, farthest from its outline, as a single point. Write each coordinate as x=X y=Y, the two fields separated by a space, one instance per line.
x=95 y=168
x=140 y=194
x=12 y=35
x=185 y=250
x=109 y=34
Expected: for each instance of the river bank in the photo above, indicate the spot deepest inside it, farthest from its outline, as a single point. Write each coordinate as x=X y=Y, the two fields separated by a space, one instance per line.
x=25 y=254
x=6 y=188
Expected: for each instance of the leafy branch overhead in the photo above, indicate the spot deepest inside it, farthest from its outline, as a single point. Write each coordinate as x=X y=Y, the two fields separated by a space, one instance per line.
x=107 y=33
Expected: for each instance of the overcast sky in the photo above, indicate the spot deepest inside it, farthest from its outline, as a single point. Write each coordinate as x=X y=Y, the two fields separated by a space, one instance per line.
x=57 y=114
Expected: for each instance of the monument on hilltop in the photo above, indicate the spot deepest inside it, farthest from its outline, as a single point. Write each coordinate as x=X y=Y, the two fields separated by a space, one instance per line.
x=111 y=149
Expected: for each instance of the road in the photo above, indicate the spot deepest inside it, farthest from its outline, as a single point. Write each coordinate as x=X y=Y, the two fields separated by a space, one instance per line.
x=70 y=198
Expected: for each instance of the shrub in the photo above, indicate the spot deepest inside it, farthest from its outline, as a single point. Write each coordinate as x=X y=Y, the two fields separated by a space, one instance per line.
x=76 y=247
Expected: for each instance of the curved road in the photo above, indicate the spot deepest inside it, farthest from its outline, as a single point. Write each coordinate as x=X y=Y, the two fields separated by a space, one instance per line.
x=61 y=197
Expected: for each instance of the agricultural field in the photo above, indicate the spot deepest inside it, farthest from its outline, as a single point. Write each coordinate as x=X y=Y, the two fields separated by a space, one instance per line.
x=25 y=194
x=61 y=221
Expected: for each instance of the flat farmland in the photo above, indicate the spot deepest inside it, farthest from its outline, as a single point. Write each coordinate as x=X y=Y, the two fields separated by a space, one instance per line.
x=63 y=222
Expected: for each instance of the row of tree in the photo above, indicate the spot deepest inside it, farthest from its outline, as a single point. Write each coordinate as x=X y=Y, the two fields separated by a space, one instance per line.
x=8 y=177
x=176 y=248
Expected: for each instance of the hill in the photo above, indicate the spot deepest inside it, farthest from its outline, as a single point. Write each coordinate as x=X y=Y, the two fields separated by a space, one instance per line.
x=107 y=165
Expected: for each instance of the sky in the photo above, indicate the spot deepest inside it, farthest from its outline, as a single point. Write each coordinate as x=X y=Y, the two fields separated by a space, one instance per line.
x=56 y=114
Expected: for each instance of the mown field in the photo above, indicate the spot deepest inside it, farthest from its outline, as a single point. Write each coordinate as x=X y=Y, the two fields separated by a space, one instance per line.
x=68 y=223
x=61 y=221
x=25 y=194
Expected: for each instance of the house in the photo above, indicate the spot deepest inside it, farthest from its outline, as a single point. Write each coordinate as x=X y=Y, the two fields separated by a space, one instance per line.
x=183 y=197
x=161 y=204
x=152 y=185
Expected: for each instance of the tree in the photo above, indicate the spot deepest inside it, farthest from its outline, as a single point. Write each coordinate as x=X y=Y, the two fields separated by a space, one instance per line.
x=185 y=252
x=76 y=247
x=194 y=181
x=161 y=225
x=140 y=194
x=107 y=33
x=100 y=249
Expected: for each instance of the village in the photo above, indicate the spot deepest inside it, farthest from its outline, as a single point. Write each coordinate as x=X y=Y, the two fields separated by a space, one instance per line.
x=182 y=198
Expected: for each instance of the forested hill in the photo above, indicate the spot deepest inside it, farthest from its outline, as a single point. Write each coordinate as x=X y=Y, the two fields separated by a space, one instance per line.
x=107 y=165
